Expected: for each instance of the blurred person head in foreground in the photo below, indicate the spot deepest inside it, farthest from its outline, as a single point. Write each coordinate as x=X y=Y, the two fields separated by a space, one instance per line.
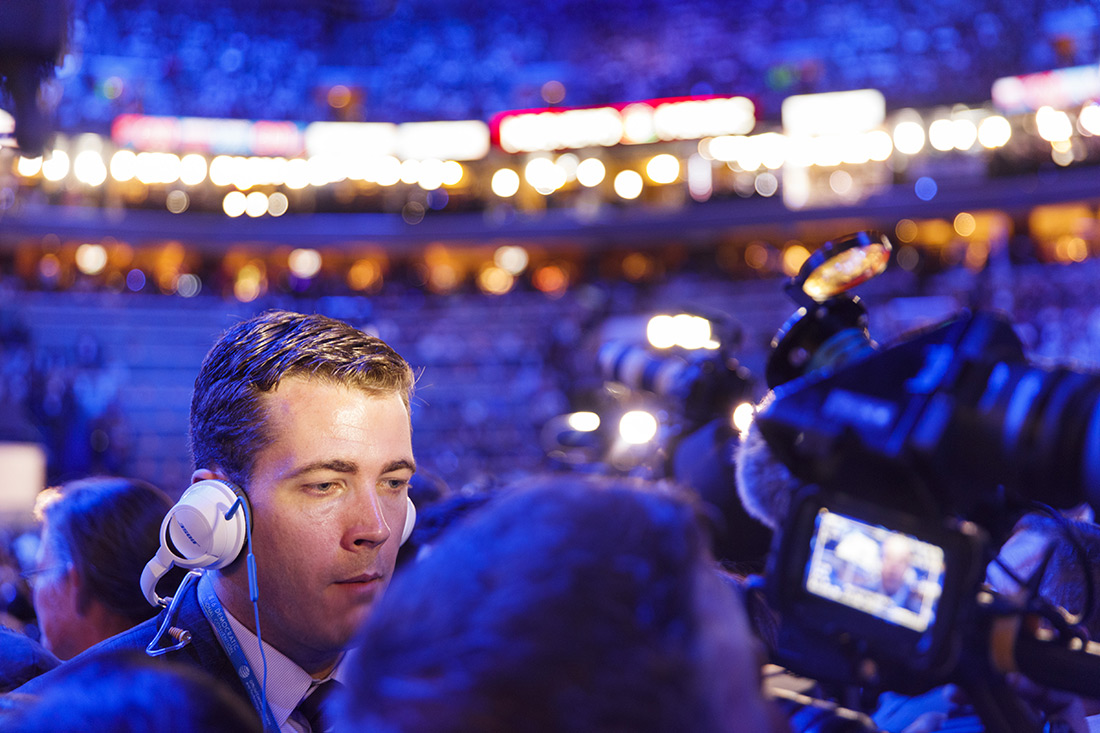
x=566 y=604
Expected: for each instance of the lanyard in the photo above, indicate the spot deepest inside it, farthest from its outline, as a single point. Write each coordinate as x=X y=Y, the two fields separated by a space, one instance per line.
x=214 y=612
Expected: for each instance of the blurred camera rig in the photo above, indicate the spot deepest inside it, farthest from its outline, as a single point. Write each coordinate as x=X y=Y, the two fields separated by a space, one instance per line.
x=664 y=410
x=917 y=460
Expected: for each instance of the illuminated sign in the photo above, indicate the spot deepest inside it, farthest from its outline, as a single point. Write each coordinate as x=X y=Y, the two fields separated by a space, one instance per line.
x=825 y=133
x=208 y=135
x=833 y=113
x=1059 y=88
x=457 y=140
x=351 y=138
x=681 y=118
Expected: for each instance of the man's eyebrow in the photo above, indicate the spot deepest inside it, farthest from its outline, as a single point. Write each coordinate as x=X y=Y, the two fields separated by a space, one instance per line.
x=401 y=465
x=342 y=466
x=336 y=464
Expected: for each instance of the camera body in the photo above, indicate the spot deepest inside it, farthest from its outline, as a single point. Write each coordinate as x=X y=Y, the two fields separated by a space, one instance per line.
x=917 y=460
x=872 y=594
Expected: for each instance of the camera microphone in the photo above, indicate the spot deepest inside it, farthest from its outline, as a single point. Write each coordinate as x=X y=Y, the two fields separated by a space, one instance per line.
x=765 y=485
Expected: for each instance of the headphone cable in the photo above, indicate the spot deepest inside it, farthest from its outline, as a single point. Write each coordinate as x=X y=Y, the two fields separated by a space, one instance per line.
x=253 y=586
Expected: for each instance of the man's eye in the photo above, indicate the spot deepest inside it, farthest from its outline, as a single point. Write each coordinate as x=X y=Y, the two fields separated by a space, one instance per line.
x=325 y=487
x=395 y=484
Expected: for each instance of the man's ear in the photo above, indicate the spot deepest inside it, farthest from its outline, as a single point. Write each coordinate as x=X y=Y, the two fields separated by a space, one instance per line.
x=74 y=587
x=203 y=474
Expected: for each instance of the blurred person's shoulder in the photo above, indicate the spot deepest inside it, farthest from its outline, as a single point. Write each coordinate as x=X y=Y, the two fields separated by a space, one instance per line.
x=22 y=659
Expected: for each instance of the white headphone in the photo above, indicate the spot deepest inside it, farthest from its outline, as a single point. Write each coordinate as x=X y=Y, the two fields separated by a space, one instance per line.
x=207 y=528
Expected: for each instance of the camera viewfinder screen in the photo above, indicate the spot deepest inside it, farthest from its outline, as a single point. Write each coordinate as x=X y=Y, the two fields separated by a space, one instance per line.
x=887 y=574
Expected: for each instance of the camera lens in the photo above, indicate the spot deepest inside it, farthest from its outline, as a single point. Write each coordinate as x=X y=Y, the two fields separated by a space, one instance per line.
x=1047 y=446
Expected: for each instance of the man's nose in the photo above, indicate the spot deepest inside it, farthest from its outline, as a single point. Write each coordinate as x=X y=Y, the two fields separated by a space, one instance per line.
x=365 y=520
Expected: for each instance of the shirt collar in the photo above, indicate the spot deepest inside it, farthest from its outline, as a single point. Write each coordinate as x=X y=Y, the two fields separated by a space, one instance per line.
x=287 y=683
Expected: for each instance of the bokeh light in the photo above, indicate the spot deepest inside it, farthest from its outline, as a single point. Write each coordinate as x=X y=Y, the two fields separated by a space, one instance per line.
x=793 y=259
x=91 y=258
x=255 y=204
x=277 y=204
x=88 y=168
x=495 y=280
x=629 y=184
x=925 y=188
x=965 y=224
x=663 y=168
x=637 y=427
x=1053 y=125
x=591 y=172
x=551 y=279
x=177 y=201
x=584 y=421
x=192 y=169
x=544 y=176
x=511 y=258
x=364 y=275
x=909 y=137
x=304 y=262
x=28 y=167
x=188 y=285
x=234 y=204
x=994 y=132
x=505 y=183
x=56 y=166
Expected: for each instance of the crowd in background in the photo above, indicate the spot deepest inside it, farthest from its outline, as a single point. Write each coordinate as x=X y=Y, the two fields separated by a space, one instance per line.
x=493 y=369
x=411 y=60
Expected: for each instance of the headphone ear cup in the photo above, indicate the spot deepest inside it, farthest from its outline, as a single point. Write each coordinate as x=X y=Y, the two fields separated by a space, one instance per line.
x=197 y=529
x=410 y=520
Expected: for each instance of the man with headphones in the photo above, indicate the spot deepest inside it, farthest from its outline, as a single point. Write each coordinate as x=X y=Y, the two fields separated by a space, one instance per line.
x=301 y=439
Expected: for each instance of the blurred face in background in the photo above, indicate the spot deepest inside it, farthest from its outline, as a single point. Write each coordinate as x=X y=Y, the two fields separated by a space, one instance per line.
x=896 y=559
x=54 y=593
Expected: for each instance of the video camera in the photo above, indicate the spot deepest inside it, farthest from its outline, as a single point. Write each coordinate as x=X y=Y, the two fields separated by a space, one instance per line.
x=686 y=382
x=917 y=461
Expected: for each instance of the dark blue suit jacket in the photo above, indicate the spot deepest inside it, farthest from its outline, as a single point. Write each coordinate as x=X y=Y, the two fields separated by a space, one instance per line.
x=204 y=651
x=21 y=659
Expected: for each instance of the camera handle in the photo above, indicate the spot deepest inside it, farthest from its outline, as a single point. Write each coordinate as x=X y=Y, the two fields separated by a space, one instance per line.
x=1014 y=643
x=1052 y=664
x=1060 y=662
x=980 y=675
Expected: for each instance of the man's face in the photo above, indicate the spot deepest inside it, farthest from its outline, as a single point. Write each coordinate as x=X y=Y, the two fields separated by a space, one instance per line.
x=895 y=563
x=55 y=601
x=328 y=498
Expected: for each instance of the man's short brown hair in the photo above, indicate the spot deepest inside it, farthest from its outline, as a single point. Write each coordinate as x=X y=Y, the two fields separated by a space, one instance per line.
x=228 y=421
